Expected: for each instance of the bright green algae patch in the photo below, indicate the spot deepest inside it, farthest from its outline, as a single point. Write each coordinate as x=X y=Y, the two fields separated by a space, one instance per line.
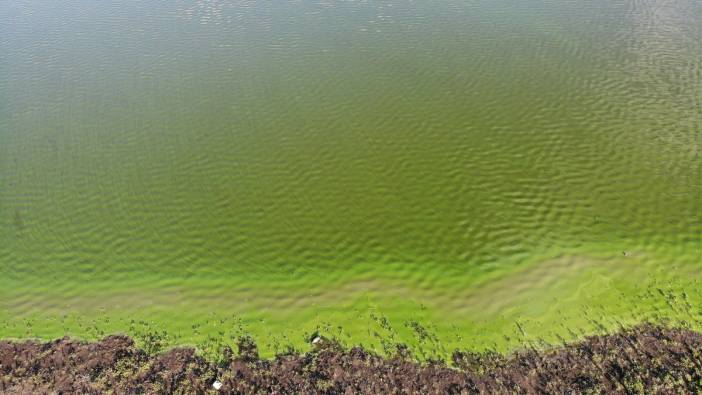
x=526 y=307
x=492 y=172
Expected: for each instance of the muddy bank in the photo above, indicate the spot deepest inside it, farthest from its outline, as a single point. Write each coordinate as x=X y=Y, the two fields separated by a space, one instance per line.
x=644 y=359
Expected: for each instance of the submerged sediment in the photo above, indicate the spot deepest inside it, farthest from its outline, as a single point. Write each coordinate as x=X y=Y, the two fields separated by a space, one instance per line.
x=642 y=359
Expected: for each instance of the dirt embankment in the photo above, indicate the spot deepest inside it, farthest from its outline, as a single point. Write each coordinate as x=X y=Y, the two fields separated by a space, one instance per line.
x=644 y=359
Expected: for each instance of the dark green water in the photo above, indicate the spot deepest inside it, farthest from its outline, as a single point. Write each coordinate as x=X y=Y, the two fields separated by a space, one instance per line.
x=301 y=163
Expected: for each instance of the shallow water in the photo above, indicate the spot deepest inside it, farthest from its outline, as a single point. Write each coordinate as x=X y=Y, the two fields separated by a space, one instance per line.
x=302 y=164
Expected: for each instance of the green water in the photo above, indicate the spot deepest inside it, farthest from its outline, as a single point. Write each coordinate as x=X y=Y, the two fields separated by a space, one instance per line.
x=219 y=167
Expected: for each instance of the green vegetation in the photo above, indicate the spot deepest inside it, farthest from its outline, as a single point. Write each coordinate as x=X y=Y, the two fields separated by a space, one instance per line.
x=379 y=329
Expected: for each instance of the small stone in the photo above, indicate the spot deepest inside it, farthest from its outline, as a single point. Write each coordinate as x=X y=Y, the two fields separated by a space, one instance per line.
x=316 y=340
x=217 y=385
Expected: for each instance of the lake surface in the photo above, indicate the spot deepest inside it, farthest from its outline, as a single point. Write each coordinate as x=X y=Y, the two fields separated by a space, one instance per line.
x=498 y=170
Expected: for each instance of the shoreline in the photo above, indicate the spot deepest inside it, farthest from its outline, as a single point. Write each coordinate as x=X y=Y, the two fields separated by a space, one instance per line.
x=644 y=358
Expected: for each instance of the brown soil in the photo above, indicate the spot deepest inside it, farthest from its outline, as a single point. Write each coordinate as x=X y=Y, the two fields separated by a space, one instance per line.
x=644 y=359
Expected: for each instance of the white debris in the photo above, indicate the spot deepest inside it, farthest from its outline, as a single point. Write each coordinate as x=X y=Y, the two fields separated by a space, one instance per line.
x=316 y=340
x=217 y=385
